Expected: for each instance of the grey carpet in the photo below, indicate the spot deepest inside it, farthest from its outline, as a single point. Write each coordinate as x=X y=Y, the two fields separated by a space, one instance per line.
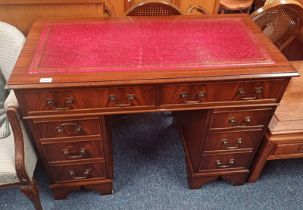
x=149 y=173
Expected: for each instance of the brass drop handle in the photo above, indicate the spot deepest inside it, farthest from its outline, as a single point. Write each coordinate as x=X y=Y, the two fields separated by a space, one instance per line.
x=60 y=128
x=230 y=163
x=71 y=155
x=184 y=96
x=68 y=102
x=226 y=143
x=242 y=92
x=86 y=174
x=245 y=122
x=131 y=98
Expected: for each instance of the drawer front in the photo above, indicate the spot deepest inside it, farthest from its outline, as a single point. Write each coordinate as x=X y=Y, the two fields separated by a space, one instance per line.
x=212 y=92
x=68 y=128
x=78 y=172
x=78 y=99
x=226 y=141
x=225 y=161
x=65 y=151
x=285 y=149
x=240 y=118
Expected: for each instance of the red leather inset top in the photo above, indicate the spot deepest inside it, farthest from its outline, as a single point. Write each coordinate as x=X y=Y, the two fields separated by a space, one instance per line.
x=146 y=45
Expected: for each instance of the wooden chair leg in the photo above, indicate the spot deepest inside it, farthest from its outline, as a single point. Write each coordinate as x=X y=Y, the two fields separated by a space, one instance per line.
x=32 y=193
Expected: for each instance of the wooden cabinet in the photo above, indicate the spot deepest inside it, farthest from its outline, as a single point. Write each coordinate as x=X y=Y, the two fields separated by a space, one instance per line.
x=284 y=136
x=221 y=111
x=22 y=13
x=210 y=7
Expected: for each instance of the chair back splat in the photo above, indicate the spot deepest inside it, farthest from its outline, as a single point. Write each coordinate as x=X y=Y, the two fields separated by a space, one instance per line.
x=280 y=20
x=153 y=9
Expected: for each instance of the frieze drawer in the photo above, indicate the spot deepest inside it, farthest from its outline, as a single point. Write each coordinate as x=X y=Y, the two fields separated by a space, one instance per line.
x=212 y=92
x=83 y=99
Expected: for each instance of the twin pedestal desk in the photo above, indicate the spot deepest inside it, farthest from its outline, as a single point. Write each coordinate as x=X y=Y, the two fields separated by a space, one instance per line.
x=219 y=75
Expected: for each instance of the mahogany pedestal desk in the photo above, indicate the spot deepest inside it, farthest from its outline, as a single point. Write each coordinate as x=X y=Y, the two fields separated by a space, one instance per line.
x=284 y=137
x=219 y=75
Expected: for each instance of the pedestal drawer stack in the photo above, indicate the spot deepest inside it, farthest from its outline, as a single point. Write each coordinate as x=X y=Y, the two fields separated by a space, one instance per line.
x=76 y=151
x=222 y=142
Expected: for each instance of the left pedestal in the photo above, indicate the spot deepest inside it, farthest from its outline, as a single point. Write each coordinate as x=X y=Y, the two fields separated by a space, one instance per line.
x=76 y=152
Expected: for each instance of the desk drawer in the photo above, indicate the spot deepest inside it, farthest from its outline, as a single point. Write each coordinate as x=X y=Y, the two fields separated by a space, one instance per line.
x=237 y=118
x=94 y=98
x=212 y=92
x=64 y=151
x=225 y=161
x=235 y=140
x=78 y=172
x=288 y=149
x=68 y=128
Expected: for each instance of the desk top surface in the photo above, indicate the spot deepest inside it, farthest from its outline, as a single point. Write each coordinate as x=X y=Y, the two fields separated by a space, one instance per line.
x=146 y=45
x=129 y=50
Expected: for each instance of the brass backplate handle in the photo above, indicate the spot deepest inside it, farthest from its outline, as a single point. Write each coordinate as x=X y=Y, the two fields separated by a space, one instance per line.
x=258 y=92
x=230 y=163
x=72 y=155
x=185 y=95
x=130 y=98
x=86 y=174
x=236 y=146
x=245 y=122
x=67 y=103
x=77 y=127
